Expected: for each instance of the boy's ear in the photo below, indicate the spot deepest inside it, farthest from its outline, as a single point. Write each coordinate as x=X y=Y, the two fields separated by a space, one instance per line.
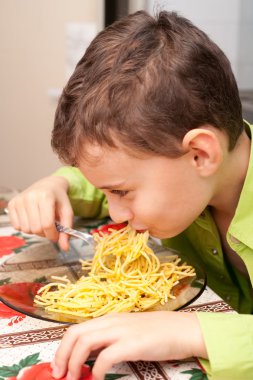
x=205 y=150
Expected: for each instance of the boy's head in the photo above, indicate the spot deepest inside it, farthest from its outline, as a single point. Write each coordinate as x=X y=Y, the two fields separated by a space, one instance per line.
x=146 y=82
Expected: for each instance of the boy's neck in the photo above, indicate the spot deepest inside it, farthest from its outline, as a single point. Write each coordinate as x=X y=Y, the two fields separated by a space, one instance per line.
x=231 y=180
x=224 y=204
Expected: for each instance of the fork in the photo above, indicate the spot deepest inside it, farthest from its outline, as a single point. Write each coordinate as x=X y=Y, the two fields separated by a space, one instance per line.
x=70 y=231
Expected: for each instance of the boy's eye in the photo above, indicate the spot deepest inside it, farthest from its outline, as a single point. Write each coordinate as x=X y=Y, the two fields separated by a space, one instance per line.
x=120 y=193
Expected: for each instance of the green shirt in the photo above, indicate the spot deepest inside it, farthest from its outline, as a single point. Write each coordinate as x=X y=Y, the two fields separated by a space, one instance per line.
x=228 y=336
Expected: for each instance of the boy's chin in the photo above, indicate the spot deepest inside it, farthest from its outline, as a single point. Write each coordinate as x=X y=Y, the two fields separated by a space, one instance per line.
x=161 y=234
x=158 y=235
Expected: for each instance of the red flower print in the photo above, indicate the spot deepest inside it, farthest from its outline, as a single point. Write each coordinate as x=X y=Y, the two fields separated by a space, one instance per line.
x=9 y=243
x=43 y=371
x=7 y=312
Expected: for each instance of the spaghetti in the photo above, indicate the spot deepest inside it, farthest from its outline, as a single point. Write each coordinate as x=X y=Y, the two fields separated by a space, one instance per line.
x=124 y=275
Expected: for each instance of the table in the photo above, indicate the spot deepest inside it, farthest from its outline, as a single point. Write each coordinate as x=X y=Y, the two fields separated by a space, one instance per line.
x=25 y=342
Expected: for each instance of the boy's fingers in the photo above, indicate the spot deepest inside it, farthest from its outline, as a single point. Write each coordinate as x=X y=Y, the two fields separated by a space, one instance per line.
x=13 y=216
x=64 y=241
x=33 y=216
x=69 y=341
x=65 y=217
x=109 y=356
x=47 y=219
x=61 y=359
x=86 y=344
x=24 y=225
x=65 y=214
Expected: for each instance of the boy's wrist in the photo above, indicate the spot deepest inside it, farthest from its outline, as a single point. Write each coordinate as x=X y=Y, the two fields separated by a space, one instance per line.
x=198 y=345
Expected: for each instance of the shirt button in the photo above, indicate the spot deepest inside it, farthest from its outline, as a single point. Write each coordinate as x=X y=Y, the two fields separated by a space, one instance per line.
x=214 y=251
x=221 y=277
x=227 y=298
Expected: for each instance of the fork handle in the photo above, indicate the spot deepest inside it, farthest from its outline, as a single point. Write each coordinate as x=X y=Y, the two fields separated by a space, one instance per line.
x=70 y=231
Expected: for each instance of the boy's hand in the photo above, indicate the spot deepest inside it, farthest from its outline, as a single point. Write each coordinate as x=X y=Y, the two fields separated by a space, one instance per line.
x=150 y=336
x=36 y=209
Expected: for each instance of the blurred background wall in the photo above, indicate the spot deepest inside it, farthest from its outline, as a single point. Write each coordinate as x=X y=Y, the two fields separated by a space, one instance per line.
x=39 y=40
x=229 y=23
x=42 y=40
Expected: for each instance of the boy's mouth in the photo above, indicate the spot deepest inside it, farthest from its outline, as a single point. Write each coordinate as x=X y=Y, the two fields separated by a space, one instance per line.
x=140 y=229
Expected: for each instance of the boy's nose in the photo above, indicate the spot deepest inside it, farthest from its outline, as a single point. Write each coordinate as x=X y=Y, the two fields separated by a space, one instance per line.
x=119 y=213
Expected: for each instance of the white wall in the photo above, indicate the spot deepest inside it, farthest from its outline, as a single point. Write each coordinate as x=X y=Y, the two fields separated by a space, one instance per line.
x=245 y=51
x=228 y=22
x=33 y=56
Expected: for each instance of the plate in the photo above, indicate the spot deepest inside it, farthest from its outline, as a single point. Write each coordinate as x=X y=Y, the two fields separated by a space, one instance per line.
x=19 y=295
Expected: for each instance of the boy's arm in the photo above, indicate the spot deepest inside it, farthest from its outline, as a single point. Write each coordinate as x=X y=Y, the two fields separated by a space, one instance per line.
x=86 y=200
x=229 y=342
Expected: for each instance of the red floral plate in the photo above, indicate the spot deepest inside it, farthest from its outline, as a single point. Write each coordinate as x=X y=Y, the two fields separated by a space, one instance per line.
x=20 y=295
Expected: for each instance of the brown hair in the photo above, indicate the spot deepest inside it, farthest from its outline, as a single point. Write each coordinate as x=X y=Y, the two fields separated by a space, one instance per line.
x=147 y=81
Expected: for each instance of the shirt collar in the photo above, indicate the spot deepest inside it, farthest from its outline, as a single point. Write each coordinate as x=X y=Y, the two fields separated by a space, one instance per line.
x=241 y=227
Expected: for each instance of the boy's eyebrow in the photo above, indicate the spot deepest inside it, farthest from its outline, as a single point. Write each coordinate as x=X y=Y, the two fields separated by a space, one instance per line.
x=108 y=187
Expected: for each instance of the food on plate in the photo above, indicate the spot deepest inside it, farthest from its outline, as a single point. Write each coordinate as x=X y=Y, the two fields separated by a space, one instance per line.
x=125 y=275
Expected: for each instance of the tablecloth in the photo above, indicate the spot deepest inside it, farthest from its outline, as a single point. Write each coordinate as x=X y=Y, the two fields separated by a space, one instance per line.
x=26 y=342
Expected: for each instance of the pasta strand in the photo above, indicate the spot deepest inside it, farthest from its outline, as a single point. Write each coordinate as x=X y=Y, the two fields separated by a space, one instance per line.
x=124 y=275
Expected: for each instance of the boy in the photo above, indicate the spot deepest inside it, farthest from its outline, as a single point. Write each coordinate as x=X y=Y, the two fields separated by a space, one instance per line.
x=152 y=117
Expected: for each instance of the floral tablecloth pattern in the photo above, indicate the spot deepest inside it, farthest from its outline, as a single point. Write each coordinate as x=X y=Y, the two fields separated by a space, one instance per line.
x=28 y=344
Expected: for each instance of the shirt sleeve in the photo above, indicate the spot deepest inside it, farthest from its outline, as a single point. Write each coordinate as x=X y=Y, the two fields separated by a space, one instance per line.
x=86 y=200
x=229 y=343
